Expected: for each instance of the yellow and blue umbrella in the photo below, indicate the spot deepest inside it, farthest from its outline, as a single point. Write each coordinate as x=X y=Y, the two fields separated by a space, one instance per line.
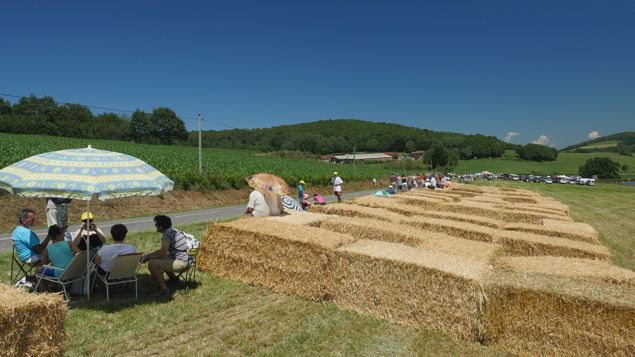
x=82 y=173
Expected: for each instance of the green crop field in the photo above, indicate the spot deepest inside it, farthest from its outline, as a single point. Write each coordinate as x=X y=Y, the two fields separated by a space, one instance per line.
x=223 y=168
x=567 y=163
x=602 y=144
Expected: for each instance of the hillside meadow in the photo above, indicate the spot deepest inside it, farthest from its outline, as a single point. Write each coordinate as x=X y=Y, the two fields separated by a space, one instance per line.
x=566 y=163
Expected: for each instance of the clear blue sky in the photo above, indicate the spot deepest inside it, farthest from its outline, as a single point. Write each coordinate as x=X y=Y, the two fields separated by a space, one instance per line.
x=562 y=69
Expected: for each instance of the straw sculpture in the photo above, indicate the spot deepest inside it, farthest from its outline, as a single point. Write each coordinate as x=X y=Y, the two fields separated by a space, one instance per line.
x=411 y=286
x=530 y=244
x=31 y=324
x=283 y=257
x=554 y=231
x=586 y=269
x=363 y=228
x=535 y=314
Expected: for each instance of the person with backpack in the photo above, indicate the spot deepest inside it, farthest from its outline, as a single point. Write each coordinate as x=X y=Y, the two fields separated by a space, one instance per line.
x=171 y=258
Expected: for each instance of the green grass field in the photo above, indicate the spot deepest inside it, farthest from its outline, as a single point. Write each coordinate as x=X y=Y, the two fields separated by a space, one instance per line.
x=224 y=317
x=567 y=163
x=602 y=145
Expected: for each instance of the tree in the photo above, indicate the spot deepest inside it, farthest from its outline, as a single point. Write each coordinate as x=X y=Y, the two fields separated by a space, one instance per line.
x=5 y=107
x=167 y=126
x=141 y=127
x=603 y=167
x=535 y=152
x=440 y=156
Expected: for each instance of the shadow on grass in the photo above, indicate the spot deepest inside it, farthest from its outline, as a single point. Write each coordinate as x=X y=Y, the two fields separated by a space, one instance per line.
x=122 y=296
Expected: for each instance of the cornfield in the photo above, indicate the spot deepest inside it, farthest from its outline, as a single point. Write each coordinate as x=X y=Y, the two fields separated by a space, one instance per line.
x=223 y=168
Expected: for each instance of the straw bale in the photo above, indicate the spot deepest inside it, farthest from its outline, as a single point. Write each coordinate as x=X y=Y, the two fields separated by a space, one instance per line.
x=446 y=197
x=363 y=228
x=397 y=205
x=534 y=209
x=473 y=208
x=586 y=269
x=518 y=199
x=300 y=218
x=31 y=324
x=530 y=244
x=483 y=199
x=460 y=217
x=410 y=286
x=554 y=231
x=581 y=228
x=285 y=257
x=467 y=188
x=424 y=200
x=462 y=229
x=352 y=210
x=542 y=315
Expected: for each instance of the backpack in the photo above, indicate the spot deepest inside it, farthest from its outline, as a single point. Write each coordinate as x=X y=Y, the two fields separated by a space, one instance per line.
x=191 y=242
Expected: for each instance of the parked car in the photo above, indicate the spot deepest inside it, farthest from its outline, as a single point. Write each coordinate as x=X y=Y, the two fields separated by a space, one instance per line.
x=548 y=180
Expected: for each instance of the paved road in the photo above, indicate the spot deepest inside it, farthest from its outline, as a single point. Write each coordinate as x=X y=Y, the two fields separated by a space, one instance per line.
x=147 y=223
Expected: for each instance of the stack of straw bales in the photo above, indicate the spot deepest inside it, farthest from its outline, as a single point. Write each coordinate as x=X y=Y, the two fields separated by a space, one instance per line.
x=31 y=324
x=284 y=257
x=351 y=210
x=538 y=314
x=523 y=243
x=560 y=231
x=411 y=286
x=464 y=230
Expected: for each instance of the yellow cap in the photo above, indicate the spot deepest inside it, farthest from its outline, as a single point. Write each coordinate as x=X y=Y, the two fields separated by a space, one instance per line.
x=302 y=182
x=335 y=173
x=87 y=215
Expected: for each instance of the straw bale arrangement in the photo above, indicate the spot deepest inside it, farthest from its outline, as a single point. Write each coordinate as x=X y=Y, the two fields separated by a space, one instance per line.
x=560 y=231
x=411 y=286
x=284 y=257
x=351 y=210
x=514 y=273
x=586 y=269
x=530 y=244
x=364 y=228
x=31 y=324
x=535 y=314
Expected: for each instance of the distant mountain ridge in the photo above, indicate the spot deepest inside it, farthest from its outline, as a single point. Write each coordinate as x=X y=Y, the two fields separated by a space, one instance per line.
x=625 y=142
x=345 y=135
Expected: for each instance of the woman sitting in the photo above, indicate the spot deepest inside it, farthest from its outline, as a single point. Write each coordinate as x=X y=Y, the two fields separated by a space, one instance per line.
x=96 y=236
x=58 y=253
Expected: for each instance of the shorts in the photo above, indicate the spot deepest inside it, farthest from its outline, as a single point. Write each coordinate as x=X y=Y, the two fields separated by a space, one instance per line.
x=338 y=193
x=171 y=265
x=48 y=272
x=34 y=258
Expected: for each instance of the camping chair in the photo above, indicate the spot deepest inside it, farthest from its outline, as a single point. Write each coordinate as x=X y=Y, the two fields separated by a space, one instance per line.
x=74 y=271
x=188 y=275
x=24 y=269
x=124 y=270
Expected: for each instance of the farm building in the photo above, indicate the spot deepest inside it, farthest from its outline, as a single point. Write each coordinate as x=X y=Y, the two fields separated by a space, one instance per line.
x=357 y=157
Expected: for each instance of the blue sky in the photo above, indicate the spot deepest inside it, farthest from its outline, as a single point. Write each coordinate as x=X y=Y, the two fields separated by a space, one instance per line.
x=559 y=69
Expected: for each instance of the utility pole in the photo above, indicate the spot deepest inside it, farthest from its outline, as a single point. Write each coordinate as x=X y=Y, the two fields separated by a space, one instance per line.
x=200 y=146
x=354 y=157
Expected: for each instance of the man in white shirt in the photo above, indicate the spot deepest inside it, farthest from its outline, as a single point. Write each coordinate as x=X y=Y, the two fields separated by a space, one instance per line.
x=106 y=254
x=337 y=186
x=257 y=206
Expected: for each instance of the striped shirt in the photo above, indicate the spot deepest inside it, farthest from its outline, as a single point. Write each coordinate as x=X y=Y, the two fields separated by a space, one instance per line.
x=178 y=244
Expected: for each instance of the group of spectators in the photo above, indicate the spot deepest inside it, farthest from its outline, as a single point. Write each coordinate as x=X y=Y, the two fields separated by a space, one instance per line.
x=52 y=255
x=407 y=183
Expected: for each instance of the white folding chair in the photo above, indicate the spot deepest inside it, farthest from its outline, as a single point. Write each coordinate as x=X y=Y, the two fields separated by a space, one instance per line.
x=124 y=270
x=74 y=271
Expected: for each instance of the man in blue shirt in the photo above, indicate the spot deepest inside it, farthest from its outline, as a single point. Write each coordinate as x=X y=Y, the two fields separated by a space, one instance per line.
x=27 y=244
x=301 y=190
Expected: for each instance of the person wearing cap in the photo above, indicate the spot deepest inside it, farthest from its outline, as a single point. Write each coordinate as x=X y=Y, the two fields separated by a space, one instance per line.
x=337 y=186
x=94 y=233
x=390 y=190
x=301 y=190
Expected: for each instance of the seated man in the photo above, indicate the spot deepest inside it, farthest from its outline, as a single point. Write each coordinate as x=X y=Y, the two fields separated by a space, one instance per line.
x=170 y=258
x=390 y=190
x=257 y=205
x=27 y=244
x=106 y=255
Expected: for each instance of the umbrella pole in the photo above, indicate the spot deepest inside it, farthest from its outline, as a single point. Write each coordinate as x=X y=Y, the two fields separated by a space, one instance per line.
x=87 y=282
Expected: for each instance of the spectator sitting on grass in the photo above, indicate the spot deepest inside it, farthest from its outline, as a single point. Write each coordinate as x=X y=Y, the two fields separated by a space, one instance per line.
x=106 y=255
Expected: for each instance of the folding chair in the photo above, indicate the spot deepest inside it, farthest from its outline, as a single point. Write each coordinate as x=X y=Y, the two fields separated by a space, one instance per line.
x=124 y=270
x=74 y=271
x=189 y=274
x=23 y=269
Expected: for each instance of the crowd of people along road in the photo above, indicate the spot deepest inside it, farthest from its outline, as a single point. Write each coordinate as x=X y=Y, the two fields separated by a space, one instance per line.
x=51 y=256
x=400 y=183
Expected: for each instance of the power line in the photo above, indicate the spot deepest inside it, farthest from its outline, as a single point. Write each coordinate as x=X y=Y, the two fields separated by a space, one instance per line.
x=119 y=110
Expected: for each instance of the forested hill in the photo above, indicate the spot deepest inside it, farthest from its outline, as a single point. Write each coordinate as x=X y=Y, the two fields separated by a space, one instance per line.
x=43 y=115
x=342 y=135
x=623 y=142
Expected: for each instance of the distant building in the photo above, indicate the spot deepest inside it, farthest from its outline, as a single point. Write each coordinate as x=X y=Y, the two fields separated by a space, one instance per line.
x=358 y=157
x=417 y=154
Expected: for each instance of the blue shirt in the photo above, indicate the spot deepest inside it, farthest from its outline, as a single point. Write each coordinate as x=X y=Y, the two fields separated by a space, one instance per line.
x=60 y=254
x=24 y=239
x=300 y=192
